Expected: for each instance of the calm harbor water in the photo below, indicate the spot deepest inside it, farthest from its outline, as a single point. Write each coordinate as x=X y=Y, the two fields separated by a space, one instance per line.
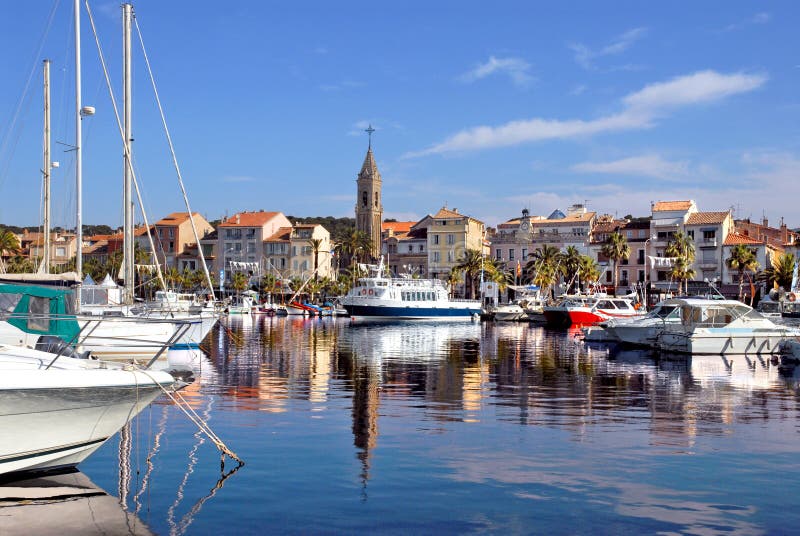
x=460 y=428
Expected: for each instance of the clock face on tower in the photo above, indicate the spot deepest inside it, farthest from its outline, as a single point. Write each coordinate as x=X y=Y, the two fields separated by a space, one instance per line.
x=524 y=226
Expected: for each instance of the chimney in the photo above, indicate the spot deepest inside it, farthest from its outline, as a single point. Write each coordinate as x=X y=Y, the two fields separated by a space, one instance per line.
x=765 y=222
x=784 y=233
x=238 y=219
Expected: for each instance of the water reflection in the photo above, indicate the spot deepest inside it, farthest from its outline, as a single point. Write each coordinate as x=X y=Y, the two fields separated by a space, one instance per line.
x=63 y=504
x=500 y=426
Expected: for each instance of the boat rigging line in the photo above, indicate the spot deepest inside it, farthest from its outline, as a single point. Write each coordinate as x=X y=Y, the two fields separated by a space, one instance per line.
x=175 y=160
x=125 y=145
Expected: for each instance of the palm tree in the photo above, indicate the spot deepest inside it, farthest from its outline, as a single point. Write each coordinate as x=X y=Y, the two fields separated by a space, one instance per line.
x=588 y=271
x=20 y=265
x=316 y=246
x=357 y=245
x=681 y=246
x=544 y=267
x=780 y=273
x=453 y=279
x=8 y=244
x=470 y=264
x=240 y=281
x=742 y=259
x=616 y=248
x=682 y=271
x=570 y=264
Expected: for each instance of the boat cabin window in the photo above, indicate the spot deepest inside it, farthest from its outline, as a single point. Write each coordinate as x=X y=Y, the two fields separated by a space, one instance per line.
x=621 y=304
x=769 y=307
x=605 y=304
x=664 y=311
x=38 y=313
x=8 y=302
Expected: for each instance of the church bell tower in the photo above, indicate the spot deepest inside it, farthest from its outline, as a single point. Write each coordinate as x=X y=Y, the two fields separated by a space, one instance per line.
x=369 y=209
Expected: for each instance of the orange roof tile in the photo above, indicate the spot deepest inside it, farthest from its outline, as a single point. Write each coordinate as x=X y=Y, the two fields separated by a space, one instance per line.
x=249 y=219
x=734 y=239
x=697 y=218
x=574 y=218
x=671 y=205
x=397 y=226
x=176 y=218
x=281 y=235
x=445 y=212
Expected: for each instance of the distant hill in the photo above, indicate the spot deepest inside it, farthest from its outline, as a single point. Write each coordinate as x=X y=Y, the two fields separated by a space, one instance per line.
x=338 y=227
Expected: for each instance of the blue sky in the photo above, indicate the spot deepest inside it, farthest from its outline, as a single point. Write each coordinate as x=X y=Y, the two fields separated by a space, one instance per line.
x=487 y=108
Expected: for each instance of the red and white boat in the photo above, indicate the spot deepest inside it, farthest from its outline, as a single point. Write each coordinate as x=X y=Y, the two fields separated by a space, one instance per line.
x=587 y=310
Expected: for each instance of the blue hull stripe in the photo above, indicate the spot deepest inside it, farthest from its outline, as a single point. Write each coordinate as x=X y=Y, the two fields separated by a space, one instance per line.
x=185 y=346
x=409 y=312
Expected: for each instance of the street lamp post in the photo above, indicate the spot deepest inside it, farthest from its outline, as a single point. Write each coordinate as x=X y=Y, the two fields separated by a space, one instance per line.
x=647 y=277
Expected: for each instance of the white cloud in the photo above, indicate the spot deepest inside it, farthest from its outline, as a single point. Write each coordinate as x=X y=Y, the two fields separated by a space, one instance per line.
x=585 y=56
x=696 y=88
x=649 y=165
x=640 y=110
x=578 y=90
x=516 y=69
x=759 y=18
x=339 y=86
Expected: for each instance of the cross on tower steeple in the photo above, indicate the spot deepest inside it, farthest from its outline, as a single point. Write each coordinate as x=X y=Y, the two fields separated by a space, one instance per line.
x=369 y=130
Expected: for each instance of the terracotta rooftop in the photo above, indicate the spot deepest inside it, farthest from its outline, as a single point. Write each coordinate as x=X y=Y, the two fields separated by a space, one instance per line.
x=397 y=226
x=281 y=235
x=698 y=218
x=249 y=219
x=176 y=218
x=510 y=224
x=662 y=206
x=445 y=212
x=734 y=239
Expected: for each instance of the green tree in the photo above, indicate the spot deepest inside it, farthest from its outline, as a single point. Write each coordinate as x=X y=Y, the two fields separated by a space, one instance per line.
x=240 y=281
x=543 y=268
x=742 y=259
x=8 y=244
x=588 y=271
x=681 y=247
x=570 y=265
x=617 y=249
x=780 y=273
x=357 y=246
x=316 y=245
x=470 y=264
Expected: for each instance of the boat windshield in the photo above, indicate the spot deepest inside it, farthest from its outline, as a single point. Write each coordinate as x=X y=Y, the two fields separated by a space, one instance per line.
x=714 y=315
x=663 y=311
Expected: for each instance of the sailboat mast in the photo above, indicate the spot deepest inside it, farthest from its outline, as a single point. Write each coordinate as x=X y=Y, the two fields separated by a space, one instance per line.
x=78 y=150
x=127 y=193
x=46 y=167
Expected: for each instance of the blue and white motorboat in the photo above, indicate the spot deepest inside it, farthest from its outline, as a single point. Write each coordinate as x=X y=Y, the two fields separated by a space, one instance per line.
x=379 y=297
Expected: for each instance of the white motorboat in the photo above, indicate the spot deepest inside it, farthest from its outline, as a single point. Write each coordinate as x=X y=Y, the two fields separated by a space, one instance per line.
x=508 y=312
x=242 y=304
x=721 y=327
x=56 y=410
x=643 y=331
x=590 y=309
x=380 y=297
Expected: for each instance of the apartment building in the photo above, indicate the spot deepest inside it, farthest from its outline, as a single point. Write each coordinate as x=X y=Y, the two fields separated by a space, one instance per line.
x=404 y=246
x=173 y=236
x=450 y=234
x=240 y=240
x=290 y=252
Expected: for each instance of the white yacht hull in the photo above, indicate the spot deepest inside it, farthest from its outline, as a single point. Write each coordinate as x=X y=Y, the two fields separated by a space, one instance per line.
x=55 y=418
x=720 y=341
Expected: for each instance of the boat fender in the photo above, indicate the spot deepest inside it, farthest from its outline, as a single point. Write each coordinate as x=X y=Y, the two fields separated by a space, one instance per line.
x=792 y=296
x=370 y=292
x=363 y=291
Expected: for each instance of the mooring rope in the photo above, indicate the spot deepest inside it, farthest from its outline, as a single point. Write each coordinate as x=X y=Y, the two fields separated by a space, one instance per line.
x=187 y=409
